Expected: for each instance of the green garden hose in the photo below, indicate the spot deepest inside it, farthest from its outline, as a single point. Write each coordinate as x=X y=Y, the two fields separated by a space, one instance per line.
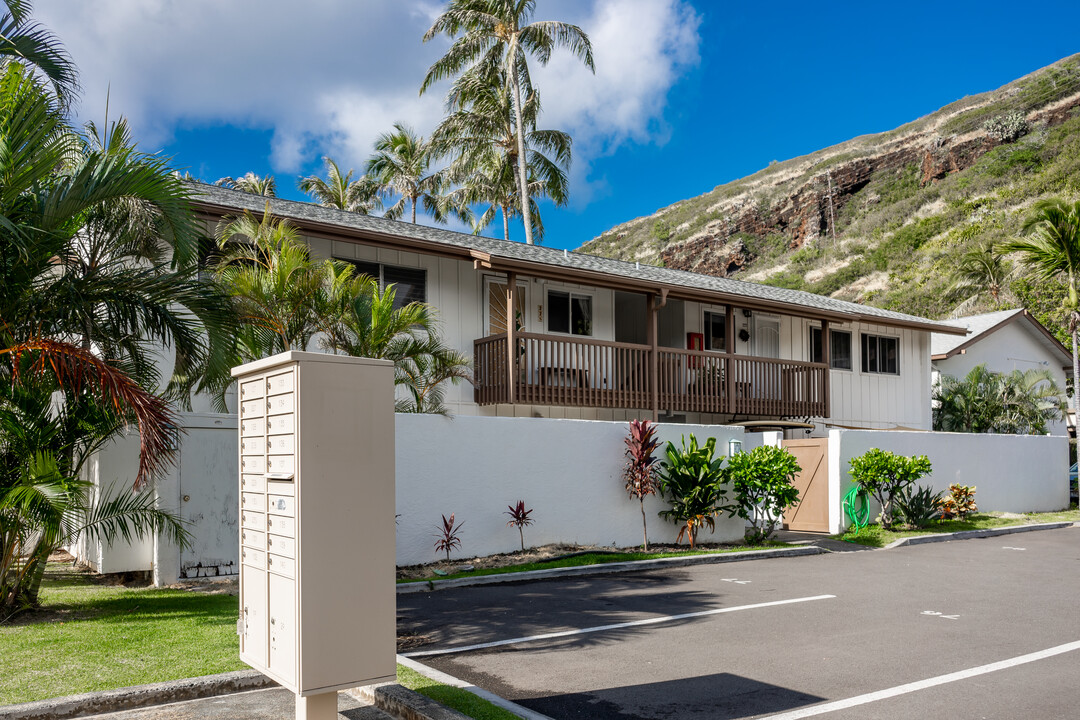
x=859 y=515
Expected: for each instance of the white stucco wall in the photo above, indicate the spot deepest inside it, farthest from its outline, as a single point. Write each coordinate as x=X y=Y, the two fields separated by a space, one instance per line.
x=1013 y=347
x=568 y=471
x=1011 y=473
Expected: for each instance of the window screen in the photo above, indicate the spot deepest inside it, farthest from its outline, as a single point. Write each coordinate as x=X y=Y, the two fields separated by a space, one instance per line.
x=880 y=355
x=410 y=284
x=840 y=351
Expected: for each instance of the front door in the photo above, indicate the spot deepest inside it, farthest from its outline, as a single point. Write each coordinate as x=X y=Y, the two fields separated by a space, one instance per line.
x=766 y=336
x=811 y=514
x=495 y=307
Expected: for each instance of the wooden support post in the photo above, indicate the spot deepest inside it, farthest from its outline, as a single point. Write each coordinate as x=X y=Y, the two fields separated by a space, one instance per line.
x=729 y=350
x=826 y=357
x=511 y=342
x=654 y=357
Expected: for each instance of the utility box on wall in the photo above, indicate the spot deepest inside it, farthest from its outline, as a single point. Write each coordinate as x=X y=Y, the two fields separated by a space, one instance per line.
x=317 y=569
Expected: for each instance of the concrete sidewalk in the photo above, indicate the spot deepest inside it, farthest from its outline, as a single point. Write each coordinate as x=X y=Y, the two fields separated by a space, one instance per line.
x=271 y=704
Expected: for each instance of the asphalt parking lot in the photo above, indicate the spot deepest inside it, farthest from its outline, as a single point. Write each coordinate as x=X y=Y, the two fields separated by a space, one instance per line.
x=984 y=628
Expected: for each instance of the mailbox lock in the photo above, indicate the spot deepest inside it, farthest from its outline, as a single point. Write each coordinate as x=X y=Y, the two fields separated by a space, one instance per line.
x=187 y=498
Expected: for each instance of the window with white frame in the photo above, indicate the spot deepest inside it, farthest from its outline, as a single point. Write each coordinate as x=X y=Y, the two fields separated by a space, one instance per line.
x=569 y=312
x=880 y=355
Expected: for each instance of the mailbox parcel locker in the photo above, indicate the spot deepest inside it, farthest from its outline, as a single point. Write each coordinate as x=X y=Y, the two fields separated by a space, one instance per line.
x=317 y=600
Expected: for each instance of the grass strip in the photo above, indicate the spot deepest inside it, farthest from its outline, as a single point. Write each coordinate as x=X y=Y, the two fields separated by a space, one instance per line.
x=594 y=558
x=89 y=637
x=461 y=700
x=876 y=536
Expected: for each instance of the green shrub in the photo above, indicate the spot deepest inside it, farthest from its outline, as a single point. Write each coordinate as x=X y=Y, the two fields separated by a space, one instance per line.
x=884 y=475
x=1007 y=160
x=763 y=481
x=959 y=503
x=919 y=507
x=692 y=481
x=1006 y=128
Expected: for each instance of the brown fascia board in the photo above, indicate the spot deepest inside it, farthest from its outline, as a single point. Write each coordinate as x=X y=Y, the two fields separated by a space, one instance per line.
x=329 y=231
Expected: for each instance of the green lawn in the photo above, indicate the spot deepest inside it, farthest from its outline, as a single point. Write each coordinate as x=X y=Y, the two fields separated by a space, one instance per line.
x=90 y=636
x=874 y=536
x=592 y=558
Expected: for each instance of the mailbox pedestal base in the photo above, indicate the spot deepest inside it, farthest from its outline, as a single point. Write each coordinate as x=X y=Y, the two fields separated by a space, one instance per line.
x=317 y=707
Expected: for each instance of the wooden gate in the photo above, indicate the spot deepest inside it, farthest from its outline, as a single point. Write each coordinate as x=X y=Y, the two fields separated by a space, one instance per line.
x=812 y=512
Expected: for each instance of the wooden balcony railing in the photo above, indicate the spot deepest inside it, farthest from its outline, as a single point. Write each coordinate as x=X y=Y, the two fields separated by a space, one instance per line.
x=575 y=372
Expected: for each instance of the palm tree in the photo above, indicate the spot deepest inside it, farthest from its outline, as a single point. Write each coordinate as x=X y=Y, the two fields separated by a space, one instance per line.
x=341 y=191
x=264 y=185
x=481 y=134
x=497 y=34
x=279 y=293
x=370 y=326
x=1052 y=248
x=984 y=401
x=401 y=165
x=981 y=273
x=29 y=43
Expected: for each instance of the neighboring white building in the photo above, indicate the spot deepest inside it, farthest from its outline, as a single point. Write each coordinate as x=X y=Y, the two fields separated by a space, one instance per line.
x=1003 y=341
x=594 y=339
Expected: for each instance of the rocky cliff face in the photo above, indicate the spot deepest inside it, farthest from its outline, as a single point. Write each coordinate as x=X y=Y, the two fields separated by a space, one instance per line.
x=807 y=198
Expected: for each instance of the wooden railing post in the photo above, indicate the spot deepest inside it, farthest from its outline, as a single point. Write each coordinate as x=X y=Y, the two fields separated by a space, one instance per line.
x=511 y=343
x=654 y=357
x=826 y=357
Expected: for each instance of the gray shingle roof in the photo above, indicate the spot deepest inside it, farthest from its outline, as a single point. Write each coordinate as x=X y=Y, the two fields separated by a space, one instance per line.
x=976 y=325
x=238 y=201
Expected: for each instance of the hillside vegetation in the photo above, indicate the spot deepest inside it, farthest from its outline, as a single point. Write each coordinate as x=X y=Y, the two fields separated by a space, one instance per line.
x=886 y=219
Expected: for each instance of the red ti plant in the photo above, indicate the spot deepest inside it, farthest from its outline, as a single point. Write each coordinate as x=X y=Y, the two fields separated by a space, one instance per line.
x=641 y=466
x=448 y=536
x=519 y=518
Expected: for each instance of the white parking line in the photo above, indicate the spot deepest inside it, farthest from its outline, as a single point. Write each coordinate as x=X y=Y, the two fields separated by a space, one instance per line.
x=923 y=684
x=616 y=626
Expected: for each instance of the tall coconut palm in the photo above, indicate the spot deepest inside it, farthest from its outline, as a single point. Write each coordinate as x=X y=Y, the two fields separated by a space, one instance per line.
x=264 y=185
x=29 y=43
x=498 y=34
x=1052 y=248
x=341 y=191
x=401 y=166
x=480 y=134
x=981 y=274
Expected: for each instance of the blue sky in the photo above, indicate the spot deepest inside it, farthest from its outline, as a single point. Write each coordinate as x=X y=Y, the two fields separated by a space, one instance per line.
x=688 y=94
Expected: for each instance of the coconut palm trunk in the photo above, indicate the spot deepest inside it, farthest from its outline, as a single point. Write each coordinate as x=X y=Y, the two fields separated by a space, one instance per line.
x=523 y=184
x=506 y=224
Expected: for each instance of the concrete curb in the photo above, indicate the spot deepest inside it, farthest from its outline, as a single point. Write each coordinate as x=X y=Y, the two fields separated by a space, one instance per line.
x=972 y=534
x=73 y=706
x=422 y=586
x=402 y=703
x=441 y=677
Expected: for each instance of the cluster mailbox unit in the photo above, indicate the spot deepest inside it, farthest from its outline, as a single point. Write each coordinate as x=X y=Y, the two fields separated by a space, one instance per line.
x=317 y=600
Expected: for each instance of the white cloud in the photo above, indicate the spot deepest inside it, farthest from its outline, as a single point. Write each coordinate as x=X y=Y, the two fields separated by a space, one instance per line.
x=327 y=76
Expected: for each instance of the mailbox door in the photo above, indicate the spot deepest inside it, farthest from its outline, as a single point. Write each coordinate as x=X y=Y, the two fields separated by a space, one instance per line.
x=253 y=599
x=283 y=627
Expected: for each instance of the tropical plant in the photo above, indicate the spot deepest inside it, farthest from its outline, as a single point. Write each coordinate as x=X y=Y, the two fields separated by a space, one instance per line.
x=264 y=185
x=28 y=43
x=918 y=507
x=98 y=272
x=401 y=166
x=884 y=475
x=763 y=481
x=447 y=537
x=959 y=503
x=1051 y=249
x=341 y=191
x=493 y=36
x=641 y=469
x=980 y=274
x=519 y=518
x=367 y=324
x=983 y=401
x=480 y=135
x=282 y=296
x=692 y=481
x=1007 y=128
